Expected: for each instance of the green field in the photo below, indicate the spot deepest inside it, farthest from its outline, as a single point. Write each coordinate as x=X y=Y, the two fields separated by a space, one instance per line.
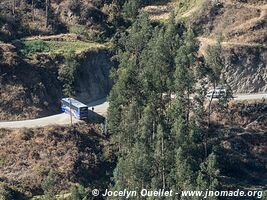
x=32 y=47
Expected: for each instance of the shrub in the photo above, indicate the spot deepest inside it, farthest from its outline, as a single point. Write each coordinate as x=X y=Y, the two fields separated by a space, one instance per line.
x=2 y=162
x=67 y=74
x=35 y=46
x=78 y=29
x=5 y=193
x=78 y=192
x=74 y=6
x=49 y=186
x=131 y=8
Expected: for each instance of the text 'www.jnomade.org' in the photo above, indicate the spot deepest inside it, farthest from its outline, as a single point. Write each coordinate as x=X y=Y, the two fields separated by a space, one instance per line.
x=171 y=193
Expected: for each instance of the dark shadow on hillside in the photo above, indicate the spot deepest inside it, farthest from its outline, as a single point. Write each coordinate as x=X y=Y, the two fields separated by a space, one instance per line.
x=93 y=117
x=97 y=102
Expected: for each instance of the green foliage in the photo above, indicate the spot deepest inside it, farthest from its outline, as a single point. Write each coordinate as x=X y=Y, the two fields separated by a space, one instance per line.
x=49 y=186
x=78 y=192
x=131 y=8
x=78 y=29
x=159 y=140
x=139 y=105
x=34 y=46
x=215 y=61
x=87 y=33
x=67 y=74
x=2 y=162
x=207 y=177
x=5 y=193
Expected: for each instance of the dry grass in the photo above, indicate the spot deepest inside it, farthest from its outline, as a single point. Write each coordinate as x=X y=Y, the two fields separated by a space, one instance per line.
x=159 y=12
x=181 y=8
x=29 y=154
x=241 y=22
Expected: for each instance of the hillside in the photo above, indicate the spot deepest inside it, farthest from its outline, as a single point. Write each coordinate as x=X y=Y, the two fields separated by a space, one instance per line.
x=243 y=28
x=241 y=24
x=30 y=87
x=85 y=156
x=151 y=77
x=27 y=156
x=243 y=148
x=25 y=18
x=35 y=39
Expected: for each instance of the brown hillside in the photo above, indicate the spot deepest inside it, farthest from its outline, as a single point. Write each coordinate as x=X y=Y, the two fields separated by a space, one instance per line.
x=31 y=89
x=26 y=90
x=242 y=146
x=242 y=25
x=26 y=19
x=27 y=155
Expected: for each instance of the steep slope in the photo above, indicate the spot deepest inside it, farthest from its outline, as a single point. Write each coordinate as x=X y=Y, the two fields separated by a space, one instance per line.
x=31 y=88
x=243 y=28
x=243 y=148
x=26 y=90
x=242 y=25
x=25 y=18
x=28 y=155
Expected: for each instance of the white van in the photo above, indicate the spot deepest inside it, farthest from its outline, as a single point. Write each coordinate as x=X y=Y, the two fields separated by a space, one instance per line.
x=219 y=92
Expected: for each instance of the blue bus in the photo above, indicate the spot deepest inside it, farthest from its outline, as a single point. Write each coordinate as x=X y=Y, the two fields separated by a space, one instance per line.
x=78 y=109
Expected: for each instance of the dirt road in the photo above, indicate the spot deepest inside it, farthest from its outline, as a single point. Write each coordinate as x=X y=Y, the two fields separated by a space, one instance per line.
x=100 y=107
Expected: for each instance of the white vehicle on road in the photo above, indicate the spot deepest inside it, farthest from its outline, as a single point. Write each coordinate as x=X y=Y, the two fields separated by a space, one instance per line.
x=219 y=92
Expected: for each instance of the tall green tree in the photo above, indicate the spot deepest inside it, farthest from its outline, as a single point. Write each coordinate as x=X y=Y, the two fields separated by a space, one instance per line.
x=186 y=58
x=78 y=192
x=208 y=175
x=131 y=8
x=159 y=140
x=67 y=75
x=127 y=85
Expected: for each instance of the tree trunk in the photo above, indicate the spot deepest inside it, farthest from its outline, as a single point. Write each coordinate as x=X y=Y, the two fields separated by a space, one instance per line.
x=33 y=11
x=188 y=109
x=209 y=120
x=13 y=6
x=163 y=168
x=46 y=12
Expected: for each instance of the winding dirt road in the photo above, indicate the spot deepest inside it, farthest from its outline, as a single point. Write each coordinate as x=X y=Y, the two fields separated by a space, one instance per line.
x=100 y=107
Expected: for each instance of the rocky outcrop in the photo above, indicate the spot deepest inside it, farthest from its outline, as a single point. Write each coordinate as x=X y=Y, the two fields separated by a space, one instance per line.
x=92 y=80
x=31 y=89
x=246 y=69
x=242 y=25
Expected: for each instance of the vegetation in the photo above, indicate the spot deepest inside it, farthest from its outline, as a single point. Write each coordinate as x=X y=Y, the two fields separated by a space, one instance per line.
x=49 y=186
x=161 y=142
x=5 y=193
x=78 y=192
x=160 y=125
x=184 y=6
x=32 y=47
x=67 y=75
